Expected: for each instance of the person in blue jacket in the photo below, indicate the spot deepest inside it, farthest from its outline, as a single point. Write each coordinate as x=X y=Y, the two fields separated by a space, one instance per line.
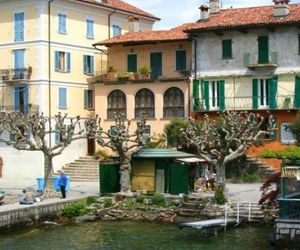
x=62 y=183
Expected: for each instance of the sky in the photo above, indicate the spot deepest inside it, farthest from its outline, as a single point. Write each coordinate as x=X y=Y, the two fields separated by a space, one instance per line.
x=176 y=12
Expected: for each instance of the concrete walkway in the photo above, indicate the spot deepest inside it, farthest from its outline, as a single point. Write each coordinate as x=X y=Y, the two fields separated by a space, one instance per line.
x=13 y=189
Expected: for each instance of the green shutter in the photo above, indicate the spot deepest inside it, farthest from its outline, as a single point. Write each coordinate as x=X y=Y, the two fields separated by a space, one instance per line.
x=297 y=92
x=273 y=93
x=273 y=135
x=255 y=94
x=180 y=60
x=56 y=59
x=222 y=95
x=196 y=94
x=132 y=63
x=299 y=44
x=85 y=64
x=227 y=49
x=206 y=93
x=263 y=49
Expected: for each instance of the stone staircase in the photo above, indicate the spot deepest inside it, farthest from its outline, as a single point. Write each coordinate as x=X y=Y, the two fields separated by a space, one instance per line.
x=263 y=168
x=190 y=207
x=84 y=169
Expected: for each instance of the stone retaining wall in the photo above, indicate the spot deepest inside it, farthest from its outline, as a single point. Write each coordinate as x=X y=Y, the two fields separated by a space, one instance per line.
x=27 y=215
x=287 y=229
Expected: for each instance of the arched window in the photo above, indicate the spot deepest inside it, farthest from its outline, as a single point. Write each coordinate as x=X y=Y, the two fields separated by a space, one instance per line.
x=116 y=104
x=173 y=103
x=144 y=103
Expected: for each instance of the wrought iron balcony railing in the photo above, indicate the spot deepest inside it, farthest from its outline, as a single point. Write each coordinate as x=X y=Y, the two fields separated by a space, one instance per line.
x=16 y=74
x=245 y=103
x=24 y=109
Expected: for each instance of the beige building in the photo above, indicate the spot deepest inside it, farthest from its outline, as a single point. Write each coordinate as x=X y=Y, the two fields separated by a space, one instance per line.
x=47 y=59
x=149 y=73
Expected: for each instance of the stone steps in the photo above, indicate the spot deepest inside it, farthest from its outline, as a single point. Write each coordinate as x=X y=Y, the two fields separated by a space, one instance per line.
x=84 y=169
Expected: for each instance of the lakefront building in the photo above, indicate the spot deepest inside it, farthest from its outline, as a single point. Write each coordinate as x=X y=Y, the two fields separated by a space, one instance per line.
x=248 y=59
x=47 y=60
x=148 y=73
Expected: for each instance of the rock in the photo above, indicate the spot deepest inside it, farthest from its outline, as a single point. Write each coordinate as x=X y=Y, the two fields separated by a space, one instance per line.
x=85 y=218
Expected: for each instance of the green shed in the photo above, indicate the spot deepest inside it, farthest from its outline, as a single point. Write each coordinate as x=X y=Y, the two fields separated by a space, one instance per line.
x=158 y=170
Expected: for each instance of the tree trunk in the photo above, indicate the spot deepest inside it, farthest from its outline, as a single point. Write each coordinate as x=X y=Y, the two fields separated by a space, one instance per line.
x=221 y=175
x=125 y=173
x=48 y=174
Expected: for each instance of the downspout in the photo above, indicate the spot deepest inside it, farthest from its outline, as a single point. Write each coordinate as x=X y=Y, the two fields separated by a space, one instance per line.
x=109 y=22
x=195 y=62
x=49 y=68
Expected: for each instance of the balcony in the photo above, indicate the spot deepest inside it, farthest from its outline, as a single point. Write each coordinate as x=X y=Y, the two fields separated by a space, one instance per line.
x=245 y=103
x=251 y=60
x=15 y=75
x=24 y=109
x=166 y=74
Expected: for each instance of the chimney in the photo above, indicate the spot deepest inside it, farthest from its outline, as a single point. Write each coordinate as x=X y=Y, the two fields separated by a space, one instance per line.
x=134 y=25
x=281 y=8
x=204 y=14
x=214 y=6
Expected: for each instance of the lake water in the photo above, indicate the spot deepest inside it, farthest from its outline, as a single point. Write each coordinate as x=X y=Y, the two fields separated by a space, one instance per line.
x=132 y=235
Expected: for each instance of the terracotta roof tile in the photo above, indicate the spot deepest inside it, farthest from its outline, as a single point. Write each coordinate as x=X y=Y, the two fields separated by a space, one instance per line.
x=247 y=18
x=120 y=5
x=175 y=34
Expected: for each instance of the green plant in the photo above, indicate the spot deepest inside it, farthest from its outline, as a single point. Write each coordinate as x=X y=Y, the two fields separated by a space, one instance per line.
x=140 y=198
x=173 y=131
x=144 y=70
x=119 y=197
x=158 y=199
x=102 y=155
x=252 y=178
x=220 y=197
x=91 y=200
x=76 y=209
x=295 y=128
x=107 y=202
x=289 y=152
x=157 y=141
x=127 y=75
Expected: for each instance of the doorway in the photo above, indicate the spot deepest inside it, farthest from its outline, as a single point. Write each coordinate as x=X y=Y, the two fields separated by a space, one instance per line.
x=91 y=146
x=1 y=166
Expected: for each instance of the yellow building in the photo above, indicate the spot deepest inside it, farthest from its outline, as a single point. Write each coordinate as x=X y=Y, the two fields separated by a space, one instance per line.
x=47 y=57
x=149 y=73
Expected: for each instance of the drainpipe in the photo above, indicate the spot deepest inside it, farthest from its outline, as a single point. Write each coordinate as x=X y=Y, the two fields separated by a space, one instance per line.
x=109 y=22
x=194 y=40
x=49 y=67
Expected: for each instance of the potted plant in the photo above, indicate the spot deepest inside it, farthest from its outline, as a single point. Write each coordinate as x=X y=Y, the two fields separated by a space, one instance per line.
x=145 y=72
x=125 y=76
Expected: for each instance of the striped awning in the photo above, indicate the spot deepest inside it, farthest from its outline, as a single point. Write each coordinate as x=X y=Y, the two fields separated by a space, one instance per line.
x=291 y=172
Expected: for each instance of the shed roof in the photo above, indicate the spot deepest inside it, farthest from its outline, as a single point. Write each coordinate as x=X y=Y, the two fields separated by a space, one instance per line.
x=161 y=153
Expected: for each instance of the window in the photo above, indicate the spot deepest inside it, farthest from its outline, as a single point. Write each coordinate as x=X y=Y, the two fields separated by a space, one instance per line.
x=62 y=98
x=299 y=44
x=58 y=138
x=88 y=99
x=62 y=61
x=144 y=103
x=263 y=49
x=286 y=136
x=62 y=23
x=132 y=63
x=173 y=103
x=148 y=132
x=19 y=71
x=116 y=30
x=90 y=29
x=180 y=60
x=19 y=27
x=265 y=126
x=227 y=49
x=214 y=93
x=263 y=93
x=88 y=65
x=116 y=104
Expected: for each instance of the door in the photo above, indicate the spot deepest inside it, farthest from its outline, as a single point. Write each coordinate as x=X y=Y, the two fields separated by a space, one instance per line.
x=143 y=175
x=160 y=181
x=21 y=99
x=18 y=64
x=91 y=147
x=109 y=178
x=156 y=65
x=179 y=181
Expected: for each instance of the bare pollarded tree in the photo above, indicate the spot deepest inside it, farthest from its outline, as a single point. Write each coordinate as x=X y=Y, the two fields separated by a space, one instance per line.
x=30 y=132
x=226 y=139
x=120 y=140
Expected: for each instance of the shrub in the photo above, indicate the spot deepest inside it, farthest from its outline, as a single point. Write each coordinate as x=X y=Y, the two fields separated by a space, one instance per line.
x=102 y=155
x=91 y=200
x=140 y=198
x=289 y=152
x=108 y=202
x=220 y=197
x=144 y=70
x=295 y=129
x=158 y=199
x=119 y=197
x=76 y=209
x=252 y=178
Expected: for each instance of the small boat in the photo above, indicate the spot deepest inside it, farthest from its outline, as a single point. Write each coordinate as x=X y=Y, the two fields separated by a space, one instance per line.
x=2 y=195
